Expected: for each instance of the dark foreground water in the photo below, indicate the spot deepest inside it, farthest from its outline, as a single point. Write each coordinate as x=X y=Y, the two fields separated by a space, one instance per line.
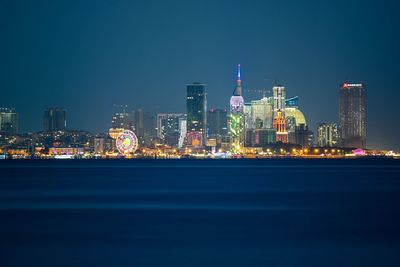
x=200 y=213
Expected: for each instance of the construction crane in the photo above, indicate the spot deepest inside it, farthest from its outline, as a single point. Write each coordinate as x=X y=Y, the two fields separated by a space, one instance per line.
x=262 y=91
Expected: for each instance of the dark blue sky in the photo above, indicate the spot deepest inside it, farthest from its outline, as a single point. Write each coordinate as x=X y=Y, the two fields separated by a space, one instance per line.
x=88 y=55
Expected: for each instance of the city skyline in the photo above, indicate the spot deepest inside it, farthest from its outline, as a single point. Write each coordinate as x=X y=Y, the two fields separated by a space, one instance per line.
x=284 y=109
x=85 y=57
x=259 y=123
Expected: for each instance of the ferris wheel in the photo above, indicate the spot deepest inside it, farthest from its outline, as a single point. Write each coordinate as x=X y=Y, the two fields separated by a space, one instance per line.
x=127 y=142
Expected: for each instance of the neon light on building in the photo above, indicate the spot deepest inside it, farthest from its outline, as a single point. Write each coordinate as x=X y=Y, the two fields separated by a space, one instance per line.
x=280 y=126
x=236 y=117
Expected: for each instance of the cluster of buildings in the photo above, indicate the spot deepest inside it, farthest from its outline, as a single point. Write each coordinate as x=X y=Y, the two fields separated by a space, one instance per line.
x=272 y=125
x=274 y=121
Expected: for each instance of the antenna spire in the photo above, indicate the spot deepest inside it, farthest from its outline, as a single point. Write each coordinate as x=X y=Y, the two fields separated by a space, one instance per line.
x=238 y=89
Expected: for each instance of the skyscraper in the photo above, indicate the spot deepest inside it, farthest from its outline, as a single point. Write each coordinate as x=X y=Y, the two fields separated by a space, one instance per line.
x=8 y=121
x=169 y=127
x=353 y=115
x=262 y=113
x=217 y=121
x=279 y=95
x=54 y=119
x=138 y=116
x=196 y=104
x=145 y=126
x=236 y=118
x=123 y=120
x=327 y=134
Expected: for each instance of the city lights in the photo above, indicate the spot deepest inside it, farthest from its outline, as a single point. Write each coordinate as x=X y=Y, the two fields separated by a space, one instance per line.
x=273 y=126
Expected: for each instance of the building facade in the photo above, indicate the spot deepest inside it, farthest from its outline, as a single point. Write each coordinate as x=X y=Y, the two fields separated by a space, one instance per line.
x=262 y=113
x=264 y=137
x=217 y=121
x=280 y=126
x=353 y=115
x=54 y=119
x=196 y=106
x=279 y=95
x=123 y=120
x=169 y=127
x=327 y=134
x=8 y=121
x=236 y=117
x=302 y=136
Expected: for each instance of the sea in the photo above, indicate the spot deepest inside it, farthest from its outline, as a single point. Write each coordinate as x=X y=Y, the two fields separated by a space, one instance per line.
x=236 y=212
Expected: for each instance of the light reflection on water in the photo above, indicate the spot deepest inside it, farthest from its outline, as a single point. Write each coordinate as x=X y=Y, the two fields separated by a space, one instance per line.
x=200 y=213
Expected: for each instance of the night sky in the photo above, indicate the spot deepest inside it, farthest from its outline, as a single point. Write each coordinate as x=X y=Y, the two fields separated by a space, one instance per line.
x=87 y=56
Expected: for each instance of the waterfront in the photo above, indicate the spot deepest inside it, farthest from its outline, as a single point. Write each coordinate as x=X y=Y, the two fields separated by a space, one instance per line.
x=274 y=212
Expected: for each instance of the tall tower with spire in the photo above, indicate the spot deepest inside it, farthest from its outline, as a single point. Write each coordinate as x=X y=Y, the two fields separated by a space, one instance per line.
x=236 y=118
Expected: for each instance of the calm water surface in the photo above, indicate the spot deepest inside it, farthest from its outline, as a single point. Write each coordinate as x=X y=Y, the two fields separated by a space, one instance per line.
x=200 y=213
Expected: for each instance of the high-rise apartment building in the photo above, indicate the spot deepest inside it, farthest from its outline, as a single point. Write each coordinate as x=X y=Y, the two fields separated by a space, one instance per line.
x=169 y=127
x=327 y=134
x=353 y=115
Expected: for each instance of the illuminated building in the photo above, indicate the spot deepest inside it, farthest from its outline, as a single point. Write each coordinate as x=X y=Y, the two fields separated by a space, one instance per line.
x=217 y=121
x=279 y=95
x=182 y=133
x=123 y=120
x=296 y=124
x=327 y=135
x=236 y=118
x=143 y=124
x=196 y=104
x=353 y=115
x=168 y=127
x=194 y=139
x=247 y=116
x=8 y=121
x=294 y=117
x=54 y=119
x=280 y=126
x=262 y=113
x=65 y=150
